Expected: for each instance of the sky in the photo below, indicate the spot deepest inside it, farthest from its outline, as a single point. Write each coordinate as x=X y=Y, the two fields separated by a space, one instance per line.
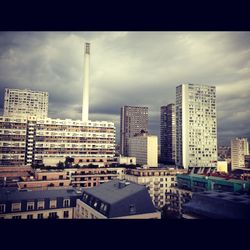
x=131 y=68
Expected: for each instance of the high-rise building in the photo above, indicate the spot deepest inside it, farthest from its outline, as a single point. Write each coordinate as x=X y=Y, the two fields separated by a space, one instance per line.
x=196 y=126
x=239 y=148
x=37 y=138
x=133 y=120
x=25 y=103
x=168 y=134
x=144 y=148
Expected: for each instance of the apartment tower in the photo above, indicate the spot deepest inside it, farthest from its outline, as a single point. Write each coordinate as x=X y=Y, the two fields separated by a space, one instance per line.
x=25 y=103
x=168 y=134
x=196 y=126
x=239 y=148
x=132 y=121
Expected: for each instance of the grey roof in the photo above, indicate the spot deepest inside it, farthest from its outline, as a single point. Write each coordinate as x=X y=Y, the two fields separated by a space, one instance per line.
x=120 y=199
x=7 y=194
x=218 y=204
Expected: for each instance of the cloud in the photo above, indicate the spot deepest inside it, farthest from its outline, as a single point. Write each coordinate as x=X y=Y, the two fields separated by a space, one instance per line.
x=135 y=68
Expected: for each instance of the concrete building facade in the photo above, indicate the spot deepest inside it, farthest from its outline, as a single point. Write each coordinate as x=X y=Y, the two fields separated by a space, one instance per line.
x=132 y=120
x=26 y=142
x=168 y=134
x=239 y=148
x=25 y=102
x=158 y=181
x=196 y=126
x=144 y=148
x=42 y=204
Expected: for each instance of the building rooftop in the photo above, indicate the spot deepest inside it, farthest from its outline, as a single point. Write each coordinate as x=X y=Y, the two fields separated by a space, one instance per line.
x=216 y=176
x=13 y=194
x=119 y=198
x=218 y=204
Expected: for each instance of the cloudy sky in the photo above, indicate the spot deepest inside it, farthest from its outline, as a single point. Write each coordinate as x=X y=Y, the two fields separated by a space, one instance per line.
x=131 y=68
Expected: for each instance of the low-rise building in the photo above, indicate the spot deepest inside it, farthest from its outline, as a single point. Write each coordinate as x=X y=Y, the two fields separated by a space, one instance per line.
x=157 y=180
x=188 y=184
x=222 y=166
x=42 y=204
x=126 y=160
x=90 y=177
x=116 y=200
x=43 y=179
x=217 y=205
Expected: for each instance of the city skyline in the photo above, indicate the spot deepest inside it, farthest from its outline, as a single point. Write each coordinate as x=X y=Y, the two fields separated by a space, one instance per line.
x=131 y=68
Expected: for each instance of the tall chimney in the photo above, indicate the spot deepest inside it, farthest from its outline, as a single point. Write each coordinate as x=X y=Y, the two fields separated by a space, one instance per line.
x=85 y=101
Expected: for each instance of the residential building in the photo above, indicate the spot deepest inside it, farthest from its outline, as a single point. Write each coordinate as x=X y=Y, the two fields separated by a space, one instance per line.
x=26 y=142
x=144 y=148
x=133 y=119
x=208 y=205
x=188 y=184
x=45 y=179
x=33 y=138
x=25 y=103
x=126 y=160
x=116 y=200
x=157 y=180
x=247 y=161
x=42 y=204
x=91 y=177
x=196 y=126
x=168 y=134
x=239 y=148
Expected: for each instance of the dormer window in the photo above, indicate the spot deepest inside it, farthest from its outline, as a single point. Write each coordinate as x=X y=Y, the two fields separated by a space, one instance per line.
x=30 y=206
x=52 y=204
x=66 y=202
x=15 y=207
x=132 y=209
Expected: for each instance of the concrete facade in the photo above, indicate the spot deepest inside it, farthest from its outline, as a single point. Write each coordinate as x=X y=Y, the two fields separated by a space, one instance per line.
x=196 y=126
x=144 y=148
x=132 y=120
x=239 y=148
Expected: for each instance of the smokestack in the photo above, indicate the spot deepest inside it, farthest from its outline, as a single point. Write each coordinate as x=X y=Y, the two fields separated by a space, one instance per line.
x=85 y=101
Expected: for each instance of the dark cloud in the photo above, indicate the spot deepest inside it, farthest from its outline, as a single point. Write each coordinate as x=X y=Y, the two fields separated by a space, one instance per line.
x=131 y=68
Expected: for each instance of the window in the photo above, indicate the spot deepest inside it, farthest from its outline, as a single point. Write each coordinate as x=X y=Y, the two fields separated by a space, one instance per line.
x=61 y=184
x=66 y=203
x=40 y=216
x=66 y=214
x=53 y=215
x=60 y=177
x=16 y=207
x=40 y=205
x=44 y=178
x=2 y=208
x=132 y=209
x=30 y=216
x=52 y=204
x=30 y=206
x=17 y=217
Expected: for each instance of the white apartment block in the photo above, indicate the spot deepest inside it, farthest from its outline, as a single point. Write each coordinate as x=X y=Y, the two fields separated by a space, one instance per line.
x=25 y=102
x=26 y=141
x=196 y=126
x=159 y=181
x=144 y=148
x=239 y=148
